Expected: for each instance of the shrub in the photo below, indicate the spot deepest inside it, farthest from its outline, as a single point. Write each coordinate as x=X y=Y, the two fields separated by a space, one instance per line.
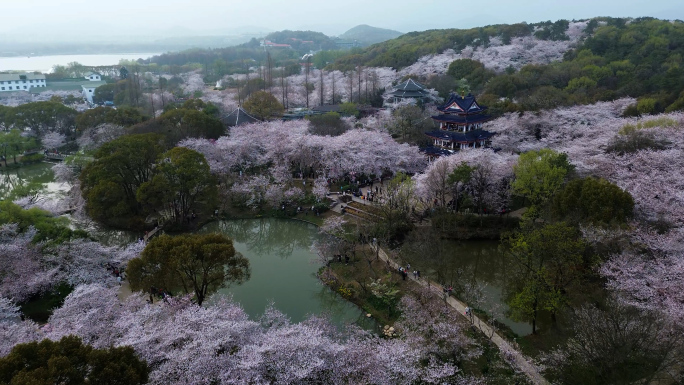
x=631 y=139
x=592 y=200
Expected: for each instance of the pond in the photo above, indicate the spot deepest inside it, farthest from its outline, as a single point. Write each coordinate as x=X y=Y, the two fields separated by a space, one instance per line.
x=283 y=271
x=475 y=269
x=11 y=178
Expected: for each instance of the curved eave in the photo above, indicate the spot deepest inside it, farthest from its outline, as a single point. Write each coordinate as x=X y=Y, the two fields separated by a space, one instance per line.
x=462 y=119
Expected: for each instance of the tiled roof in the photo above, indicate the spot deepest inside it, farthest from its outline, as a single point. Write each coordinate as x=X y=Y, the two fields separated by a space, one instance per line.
x=238 y=117
x=462 y=105
x=6 y=77
x=461 y=137
x=462 y=119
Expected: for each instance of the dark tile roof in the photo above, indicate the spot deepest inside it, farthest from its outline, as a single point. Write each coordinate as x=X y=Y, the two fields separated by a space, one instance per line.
x=464 y=105
x=435 y=151
x=461 y=137
x=238 y=117
x=462 y=119
x=410 y=89
x=327 y=108
x=410 y=85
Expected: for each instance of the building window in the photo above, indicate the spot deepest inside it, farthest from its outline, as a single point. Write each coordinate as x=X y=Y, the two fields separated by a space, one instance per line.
x=30 y=81
x=24 y=87
x=10 y=88
x=90 y=90
x=3 y=88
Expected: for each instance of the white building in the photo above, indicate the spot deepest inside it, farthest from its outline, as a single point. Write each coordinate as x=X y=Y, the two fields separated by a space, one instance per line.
x=93 y=76
x=89 y=90
x=21 y=82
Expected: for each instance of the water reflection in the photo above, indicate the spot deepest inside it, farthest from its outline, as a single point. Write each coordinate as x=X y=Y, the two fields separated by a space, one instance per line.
x=266 y=236
x=283 y=271
x=41 y=173
x=477 y=271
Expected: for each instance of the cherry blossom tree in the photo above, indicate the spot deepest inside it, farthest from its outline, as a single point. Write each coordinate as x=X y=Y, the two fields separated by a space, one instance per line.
x=320 y=188
x=290 y=144
x=431 y=184
x=23 y=274
x=53 y=140
x=498 y=56
x=30 y=269
x=184 y=343
x=13 y=331
x=94 y=137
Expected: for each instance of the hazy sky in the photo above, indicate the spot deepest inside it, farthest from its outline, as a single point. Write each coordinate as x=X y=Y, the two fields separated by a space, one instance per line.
x=180 y=17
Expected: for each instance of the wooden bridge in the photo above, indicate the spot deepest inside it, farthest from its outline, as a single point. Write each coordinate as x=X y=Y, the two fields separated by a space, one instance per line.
x=54 y=156
x=151 y=233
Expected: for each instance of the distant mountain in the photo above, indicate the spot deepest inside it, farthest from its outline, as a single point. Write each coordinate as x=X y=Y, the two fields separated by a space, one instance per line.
x=367 y=35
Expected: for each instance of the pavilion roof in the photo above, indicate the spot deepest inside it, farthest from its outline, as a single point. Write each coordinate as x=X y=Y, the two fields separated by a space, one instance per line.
x=461 y=119
x=461 y=104
x=461 y=137
x=410 y=85
x=238 y=117
x=436 y=151
x=410 y=89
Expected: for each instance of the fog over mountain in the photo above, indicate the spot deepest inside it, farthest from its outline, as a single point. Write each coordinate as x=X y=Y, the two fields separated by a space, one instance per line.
x=213 y=23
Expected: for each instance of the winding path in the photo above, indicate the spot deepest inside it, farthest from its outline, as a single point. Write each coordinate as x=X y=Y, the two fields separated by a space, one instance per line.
x=514 y=356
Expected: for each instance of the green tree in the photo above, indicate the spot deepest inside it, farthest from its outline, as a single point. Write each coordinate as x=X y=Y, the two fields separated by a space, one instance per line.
x=538 y=175
x=69 y=361
x=13 y=143
x=264 y=105
x=546 y=263
x=181 y=182
x=458 y=180
x=462 y=68
x=180 y=123
x=193 y=263
x=410 y=124
x=50 y=227
x=395 y=209
x=122 y=116
x=581 y=84
x=619 y=345
x=593 y=200
x=199 y=105
x=106 y=93
x=327 y=124
x=42 y=117
x=349 y=109
x=110 y=183
x=472 y=71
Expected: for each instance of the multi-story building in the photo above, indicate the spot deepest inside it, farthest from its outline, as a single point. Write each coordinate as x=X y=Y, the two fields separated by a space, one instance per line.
x=21 y=82
x=460 y=124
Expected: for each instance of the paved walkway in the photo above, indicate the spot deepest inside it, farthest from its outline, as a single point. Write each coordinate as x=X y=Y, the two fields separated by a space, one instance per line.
x=510 y=353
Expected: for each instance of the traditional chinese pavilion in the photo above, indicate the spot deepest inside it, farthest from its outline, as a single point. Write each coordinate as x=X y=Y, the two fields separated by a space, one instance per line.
x=460 y=124
x=238 y=117
x=410 y=89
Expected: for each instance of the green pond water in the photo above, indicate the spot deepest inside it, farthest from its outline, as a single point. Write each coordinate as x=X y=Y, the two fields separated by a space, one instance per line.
x=283 y=267
x=38 y=172
x=283 y=271
x=477 y=272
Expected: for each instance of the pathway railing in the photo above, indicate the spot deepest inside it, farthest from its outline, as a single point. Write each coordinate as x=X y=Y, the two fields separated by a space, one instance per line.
x=512 y=354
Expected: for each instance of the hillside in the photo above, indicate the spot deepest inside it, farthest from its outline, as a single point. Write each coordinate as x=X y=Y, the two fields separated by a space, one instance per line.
x=367 y=35
x=522 y=67
x=302 y=41
x=408 y=48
